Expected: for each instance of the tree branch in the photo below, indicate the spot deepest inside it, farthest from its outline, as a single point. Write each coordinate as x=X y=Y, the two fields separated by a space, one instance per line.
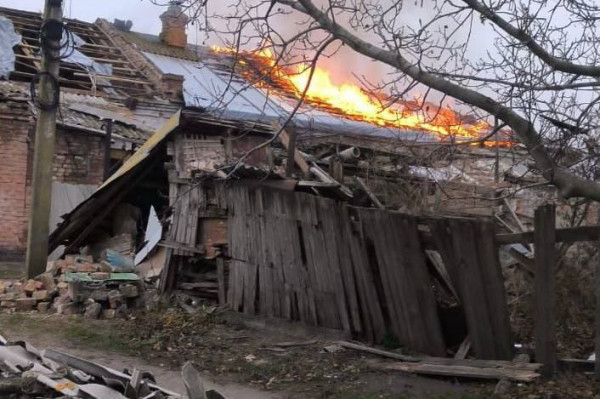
x=528 y=41
x=568 y=183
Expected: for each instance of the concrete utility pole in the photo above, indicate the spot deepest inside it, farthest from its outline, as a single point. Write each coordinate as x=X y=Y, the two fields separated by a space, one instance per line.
x=45 y=131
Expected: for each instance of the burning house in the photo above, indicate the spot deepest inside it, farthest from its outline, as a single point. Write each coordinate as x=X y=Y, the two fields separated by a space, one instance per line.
x=302 y=212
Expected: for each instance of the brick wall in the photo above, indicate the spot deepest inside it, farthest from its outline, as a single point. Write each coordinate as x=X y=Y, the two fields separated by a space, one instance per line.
x=15 y=122
x=79 y=159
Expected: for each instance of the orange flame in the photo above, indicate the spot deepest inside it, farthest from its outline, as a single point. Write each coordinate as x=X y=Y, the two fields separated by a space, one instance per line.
x=351 y=101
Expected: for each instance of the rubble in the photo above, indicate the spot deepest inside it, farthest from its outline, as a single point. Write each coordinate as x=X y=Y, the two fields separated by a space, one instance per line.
x=75 y=285
x=29 y=372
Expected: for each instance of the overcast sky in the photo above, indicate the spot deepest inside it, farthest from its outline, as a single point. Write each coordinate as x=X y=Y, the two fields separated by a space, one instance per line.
x=143 y=14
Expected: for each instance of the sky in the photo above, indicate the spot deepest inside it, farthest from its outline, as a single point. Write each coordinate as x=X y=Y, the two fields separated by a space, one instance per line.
x=141 y=12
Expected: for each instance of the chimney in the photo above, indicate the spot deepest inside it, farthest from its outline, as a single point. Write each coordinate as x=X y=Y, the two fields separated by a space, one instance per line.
x=172 y=87
x=174 y=22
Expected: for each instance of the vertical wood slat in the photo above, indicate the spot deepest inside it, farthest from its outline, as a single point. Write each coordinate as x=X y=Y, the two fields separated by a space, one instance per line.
x=473 y=295
x=221 y=280
x=371 y=312
x=493 y=282
x=335 y=284
x=470 y=255
x=544 y=288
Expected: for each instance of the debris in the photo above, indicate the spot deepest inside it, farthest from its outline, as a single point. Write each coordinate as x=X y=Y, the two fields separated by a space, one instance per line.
x=464 y=348
x=100 y=276
x=115 y=299
x=152 y=238
x=43 y=307
x=109 y=314
x=25 y=304
x=30 y=287
x=8 y=304
x=8 y=39
x=93 y=310
x=47 y=281
x=333 y=348
x=379 y=352
x=192 y=381
x=129 y=291
x=67 y=309
x=490 y=370
x=299 y=343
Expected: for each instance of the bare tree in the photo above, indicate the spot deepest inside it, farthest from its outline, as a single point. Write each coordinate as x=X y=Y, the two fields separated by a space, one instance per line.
x=533 y=64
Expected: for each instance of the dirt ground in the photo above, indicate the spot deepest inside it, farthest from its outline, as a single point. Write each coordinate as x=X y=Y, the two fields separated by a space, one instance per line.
x=238 y=359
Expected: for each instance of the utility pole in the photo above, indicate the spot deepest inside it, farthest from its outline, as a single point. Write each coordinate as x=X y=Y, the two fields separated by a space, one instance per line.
x=45 y=131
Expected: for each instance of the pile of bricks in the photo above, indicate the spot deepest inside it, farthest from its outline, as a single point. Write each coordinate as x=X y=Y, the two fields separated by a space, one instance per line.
x=100 y=296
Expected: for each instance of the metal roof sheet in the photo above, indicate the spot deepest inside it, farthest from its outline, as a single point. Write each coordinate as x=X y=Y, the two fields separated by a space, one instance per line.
x=208 y=87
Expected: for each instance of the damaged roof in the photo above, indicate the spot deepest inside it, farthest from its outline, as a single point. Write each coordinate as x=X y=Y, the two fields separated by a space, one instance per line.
x=210 y=85
x=95 y=63
x=85 y=112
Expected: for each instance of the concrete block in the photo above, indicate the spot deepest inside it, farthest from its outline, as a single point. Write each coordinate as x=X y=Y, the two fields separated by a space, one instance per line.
x=8 y=304
x=93 y=311
x=25 y=304
x=43 y=307
x=129 y=290
x=67 y=309
x=12 y=296
x=41 y=295
x=99 y=295
x=115 y=299
x=109 y=313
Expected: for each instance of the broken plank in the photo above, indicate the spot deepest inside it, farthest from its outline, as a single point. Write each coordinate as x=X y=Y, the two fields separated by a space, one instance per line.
x=367 y=190
x=221 y=280
x=513 y=374
x=378 y=352
x=179 y=246
x=570 y=234
x=463 y=349
x=284 y=137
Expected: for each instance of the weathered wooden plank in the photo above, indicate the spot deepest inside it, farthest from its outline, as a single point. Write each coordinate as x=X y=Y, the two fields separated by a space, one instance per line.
x=221 y=280
x=250 y=278
x=420 y=290
x=442 y=240
x=331 y=232
x=443 y=360
x=544 y=291
x=571 y=234
x=371 y=311
x=347 y=277
x=471 y=288
x=284 y=137
x=375 y=242
x=462 y=371
x=493 y=283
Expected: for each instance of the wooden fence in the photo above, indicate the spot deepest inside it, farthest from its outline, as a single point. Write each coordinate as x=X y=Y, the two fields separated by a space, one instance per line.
x=302 y=257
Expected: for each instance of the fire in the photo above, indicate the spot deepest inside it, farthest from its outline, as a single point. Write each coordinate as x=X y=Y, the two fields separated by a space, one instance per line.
x=351 y=101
